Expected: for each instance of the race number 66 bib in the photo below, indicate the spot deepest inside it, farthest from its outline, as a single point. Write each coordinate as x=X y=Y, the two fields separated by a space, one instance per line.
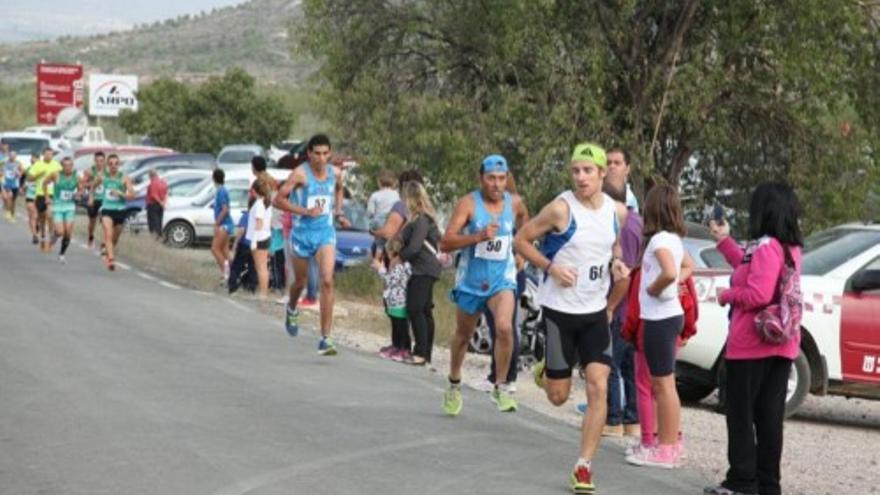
x=495 y=249
x=592 y=278
x=322 y=202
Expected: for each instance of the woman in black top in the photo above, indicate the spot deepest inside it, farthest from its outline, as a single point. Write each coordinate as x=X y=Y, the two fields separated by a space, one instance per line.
x=420 y=238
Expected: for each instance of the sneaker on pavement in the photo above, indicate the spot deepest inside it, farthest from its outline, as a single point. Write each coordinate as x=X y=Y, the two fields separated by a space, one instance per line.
x=326 y=347
x=308 y=303
x=61 y=259
x=387 y=352
x=582 y=480
x=661 y=456
x=720 y=490
x=291 y=323
x=635 y=448
x=503 y=400
x=538 y=373
x=632 y=430
x=510 y=388
x=612 y=431
x=35 y=241
x=485 y=386
x=401 y=356
x=452 y=401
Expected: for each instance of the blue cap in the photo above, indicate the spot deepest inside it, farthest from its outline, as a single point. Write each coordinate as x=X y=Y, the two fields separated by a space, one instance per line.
x=494 y=164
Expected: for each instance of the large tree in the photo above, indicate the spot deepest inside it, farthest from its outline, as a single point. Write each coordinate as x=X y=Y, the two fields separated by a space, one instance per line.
x=224 y=110
x=722 y=93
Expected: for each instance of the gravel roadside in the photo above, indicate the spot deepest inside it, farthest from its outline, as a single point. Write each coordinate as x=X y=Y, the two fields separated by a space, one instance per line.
x=830 y=445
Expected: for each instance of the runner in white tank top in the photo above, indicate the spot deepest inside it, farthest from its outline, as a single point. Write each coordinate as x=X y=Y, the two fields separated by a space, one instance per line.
x=580 y=229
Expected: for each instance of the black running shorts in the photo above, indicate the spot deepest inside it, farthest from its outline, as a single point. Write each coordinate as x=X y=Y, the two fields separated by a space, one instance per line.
x=118 y=216
x=42 y=206
x=94 y=209
x=576 y=340
x=661 y=342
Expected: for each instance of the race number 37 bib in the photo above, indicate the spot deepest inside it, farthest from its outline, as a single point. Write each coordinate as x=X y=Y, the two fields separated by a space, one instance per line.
x=592 y=278
x=495 y=249
x=66 y=195
x=322 y=202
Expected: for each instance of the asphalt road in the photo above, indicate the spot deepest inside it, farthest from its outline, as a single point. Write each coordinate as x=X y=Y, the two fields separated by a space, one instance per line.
x=111 y=383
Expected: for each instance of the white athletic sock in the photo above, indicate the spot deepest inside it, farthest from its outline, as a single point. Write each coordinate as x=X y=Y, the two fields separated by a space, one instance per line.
x=583 y=462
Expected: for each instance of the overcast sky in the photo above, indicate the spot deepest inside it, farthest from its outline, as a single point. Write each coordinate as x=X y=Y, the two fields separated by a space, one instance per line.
x=24 y=20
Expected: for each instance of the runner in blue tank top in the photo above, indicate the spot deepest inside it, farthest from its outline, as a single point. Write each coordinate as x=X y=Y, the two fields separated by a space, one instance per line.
x=482 y=228
x=313 y=193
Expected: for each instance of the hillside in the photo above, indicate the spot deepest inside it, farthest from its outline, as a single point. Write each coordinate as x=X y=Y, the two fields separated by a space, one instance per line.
x=253 y=35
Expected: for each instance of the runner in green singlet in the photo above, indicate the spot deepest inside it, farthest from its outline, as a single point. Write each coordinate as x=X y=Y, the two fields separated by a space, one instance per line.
x=68 y=186
x=117 y=190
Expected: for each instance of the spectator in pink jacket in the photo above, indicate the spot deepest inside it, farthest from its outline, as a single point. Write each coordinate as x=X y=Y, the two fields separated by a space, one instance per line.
x=757 y=372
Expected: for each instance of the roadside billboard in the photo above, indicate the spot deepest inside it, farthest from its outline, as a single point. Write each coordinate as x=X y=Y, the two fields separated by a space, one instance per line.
x=110 y=93
x=58 y=86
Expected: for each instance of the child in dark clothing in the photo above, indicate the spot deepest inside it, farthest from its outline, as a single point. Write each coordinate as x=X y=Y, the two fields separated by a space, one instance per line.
x=395 y=278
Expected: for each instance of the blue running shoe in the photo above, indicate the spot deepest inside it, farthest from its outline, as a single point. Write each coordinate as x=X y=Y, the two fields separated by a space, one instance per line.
x=326 y=347
x=292 y=322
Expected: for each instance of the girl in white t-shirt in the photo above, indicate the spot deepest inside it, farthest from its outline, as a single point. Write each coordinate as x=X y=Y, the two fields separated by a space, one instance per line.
x=259 y=232
x=663 y=259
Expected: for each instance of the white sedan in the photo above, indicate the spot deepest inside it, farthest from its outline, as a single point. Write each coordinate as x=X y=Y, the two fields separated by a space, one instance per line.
x=840 y=349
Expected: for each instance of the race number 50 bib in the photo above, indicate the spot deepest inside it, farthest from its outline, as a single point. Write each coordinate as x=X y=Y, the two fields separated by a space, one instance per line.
x=495 y=249
x=322 y=202
x=592 y=278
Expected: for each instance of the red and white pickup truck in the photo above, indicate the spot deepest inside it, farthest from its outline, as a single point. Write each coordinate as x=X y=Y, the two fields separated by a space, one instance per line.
x=840 y=349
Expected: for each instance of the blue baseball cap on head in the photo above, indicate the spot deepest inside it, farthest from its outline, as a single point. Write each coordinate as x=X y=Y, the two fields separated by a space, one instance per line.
x=494 y=164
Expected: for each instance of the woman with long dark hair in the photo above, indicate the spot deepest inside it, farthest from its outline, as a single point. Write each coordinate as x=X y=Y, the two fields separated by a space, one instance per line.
x=757 y=369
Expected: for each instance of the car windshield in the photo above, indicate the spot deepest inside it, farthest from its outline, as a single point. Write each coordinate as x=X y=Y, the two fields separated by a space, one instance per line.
x=826 y=250
x=357 y=215
x=236 y=156
x=183 y=187
x=713 y=258
x=26 y=147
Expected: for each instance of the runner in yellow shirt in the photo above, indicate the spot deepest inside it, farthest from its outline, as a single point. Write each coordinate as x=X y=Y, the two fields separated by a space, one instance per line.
x=43 y=201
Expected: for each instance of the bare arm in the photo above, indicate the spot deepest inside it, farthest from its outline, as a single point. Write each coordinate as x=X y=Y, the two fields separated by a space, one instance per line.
x=392 y=226
x=340 y=192
x=668 y=272
x=129 y=189
x=687 y=266
x=552 y=217
x=453 y=239
x=282 y=199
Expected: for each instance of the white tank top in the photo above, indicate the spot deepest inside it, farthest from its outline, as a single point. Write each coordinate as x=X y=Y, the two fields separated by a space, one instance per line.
x=587 y=245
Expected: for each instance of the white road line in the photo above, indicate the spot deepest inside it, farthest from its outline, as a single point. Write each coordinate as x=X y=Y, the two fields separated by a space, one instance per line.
x=146 y=276
x=203 y=293
x=239 y=306
x=123 y=266
x=169 y=285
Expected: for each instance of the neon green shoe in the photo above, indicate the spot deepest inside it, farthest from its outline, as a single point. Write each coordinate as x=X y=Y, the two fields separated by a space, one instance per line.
x=582 y=481
x=538 y=372
x=452 y=401
x=504 y=401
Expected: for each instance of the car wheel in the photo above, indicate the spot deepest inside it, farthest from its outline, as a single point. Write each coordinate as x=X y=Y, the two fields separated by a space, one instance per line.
x=481 y=342
x=796 y=391
x=693 y=384
x=798 y=385
x=179 y=234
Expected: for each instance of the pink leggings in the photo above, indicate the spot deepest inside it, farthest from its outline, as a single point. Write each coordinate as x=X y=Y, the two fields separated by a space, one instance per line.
x=645 y=395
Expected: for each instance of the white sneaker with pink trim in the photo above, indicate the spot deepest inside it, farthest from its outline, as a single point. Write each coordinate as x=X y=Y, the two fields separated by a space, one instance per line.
x=661 y=456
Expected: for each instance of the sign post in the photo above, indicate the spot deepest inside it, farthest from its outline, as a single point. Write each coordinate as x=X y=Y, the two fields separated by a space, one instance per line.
x=58 y=86
x=110 y=93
